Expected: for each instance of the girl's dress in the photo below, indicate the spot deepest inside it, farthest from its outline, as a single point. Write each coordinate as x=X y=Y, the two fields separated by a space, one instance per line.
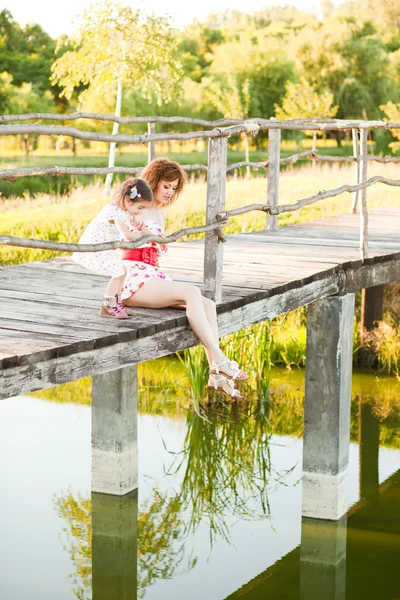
x=138 y=272
x=109 y=262
x=101 y=230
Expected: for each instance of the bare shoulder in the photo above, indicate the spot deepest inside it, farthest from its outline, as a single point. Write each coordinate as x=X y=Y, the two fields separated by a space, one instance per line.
x=154 y=214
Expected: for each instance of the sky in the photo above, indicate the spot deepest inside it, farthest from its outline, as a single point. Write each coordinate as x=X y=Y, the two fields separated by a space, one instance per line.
x=58 y=17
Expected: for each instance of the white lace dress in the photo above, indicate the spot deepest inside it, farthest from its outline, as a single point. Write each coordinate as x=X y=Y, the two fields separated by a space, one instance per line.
x=137 y=272
x=101 y=230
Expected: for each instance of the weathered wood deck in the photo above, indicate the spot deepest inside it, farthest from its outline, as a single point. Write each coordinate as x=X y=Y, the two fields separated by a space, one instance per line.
x=50 y=332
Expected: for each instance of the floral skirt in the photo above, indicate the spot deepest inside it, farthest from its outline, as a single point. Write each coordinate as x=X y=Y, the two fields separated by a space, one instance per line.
x=136 y=276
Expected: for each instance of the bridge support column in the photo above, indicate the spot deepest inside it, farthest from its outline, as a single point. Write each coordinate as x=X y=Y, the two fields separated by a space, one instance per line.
x=114 y=546
x=327 y=407
x=114 y=432
x=323 y=559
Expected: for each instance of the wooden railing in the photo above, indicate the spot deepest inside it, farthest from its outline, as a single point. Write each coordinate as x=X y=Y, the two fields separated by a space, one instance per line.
x=216 y=215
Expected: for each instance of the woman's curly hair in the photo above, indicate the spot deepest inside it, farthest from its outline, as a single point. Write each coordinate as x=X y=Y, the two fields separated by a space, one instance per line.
x=167 y=170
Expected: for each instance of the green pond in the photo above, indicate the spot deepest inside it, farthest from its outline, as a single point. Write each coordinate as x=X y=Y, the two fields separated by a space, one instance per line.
x=218 y=512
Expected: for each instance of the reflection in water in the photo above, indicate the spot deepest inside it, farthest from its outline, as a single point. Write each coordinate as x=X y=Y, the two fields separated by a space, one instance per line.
x=227 y=467
x=77 y=539
x=114 y=546
x=161 y=541
x=225 y=470
x=323 y=559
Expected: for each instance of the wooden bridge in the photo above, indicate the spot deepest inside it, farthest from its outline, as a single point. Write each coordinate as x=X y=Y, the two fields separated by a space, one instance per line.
x=50 y=332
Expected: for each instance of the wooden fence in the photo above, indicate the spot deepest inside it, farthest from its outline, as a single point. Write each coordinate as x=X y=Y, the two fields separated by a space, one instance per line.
x=216 y=215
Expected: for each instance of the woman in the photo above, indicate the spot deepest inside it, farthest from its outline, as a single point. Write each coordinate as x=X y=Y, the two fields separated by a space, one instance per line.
x=157 y=290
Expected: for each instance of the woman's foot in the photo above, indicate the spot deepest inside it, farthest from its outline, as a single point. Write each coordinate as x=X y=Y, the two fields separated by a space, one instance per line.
x=224 y=385
x=228 y=368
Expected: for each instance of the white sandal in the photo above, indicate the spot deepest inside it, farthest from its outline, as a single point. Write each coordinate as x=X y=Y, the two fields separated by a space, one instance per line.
x=232 y=392
x=238 y=374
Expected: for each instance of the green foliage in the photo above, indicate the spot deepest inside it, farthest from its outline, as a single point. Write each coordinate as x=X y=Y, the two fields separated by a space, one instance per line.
x=26 y=53
x=195 y=365
x=301 y=101
x=114 y=43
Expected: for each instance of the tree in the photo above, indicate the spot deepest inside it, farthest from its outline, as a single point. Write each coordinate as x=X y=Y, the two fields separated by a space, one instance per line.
x=301 y=101
x=115 y=46
x=27 y=54
x=230 y=96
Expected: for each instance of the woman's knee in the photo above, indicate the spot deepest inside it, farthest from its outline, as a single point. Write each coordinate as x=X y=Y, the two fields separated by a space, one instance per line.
x=209 y=305
x=191 y=292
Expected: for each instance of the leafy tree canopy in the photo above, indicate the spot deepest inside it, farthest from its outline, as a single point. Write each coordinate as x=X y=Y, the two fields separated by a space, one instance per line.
x=114 y=43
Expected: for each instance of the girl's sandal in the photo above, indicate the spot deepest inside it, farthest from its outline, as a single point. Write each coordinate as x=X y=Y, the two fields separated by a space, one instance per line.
x=238 y=375
x=232 y=392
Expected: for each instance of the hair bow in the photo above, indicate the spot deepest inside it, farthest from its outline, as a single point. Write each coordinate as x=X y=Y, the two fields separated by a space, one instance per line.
x=134 y=193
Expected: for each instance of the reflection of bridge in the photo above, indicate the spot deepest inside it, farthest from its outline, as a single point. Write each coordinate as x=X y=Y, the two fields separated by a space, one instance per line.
x=50 y=334
x=354 y=557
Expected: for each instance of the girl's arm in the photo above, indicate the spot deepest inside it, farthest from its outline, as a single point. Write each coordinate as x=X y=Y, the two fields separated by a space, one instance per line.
x=125 y=232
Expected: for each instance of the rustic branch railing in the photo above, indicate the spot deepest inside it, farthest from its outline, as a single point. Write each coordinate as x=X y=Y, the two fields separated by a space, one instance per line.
x=11 y=175
x=221 y=220
x=217 y=168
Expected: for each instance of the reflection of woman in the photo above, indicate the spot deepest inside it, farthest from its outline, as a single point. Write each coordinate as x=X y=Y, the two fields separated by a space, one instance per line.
x=166 y=179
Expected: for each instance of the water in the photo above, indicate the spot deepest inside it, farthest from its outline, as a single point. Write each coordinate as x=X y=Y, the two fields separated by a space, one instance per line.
x=219 y=509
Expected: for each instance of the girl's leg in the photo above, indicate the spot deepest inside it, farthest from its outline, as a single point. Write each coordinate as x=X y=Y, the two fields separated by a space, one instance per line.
x=111 y=305
x=114 y=286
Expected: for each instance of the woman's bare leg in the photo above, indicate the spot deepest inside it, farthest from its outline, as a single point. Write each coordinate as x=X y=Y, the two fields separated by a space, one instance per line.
x=200 y=311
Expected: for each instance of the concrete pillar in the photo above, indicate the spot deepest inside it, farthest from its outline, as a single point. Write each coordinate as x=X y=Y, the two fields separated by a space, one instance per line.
x=114 y=432
x=323 y=559
x=327 y=407
x=114 y=546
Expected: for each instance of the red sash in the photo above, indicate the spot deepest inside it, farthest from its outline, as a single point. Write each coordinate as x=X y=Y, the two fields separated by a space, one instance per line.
x=146 y=255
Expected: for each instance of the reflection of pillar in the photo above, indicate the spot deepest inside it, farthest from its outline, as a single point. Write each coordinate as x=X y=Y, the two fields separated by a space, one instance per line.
x=327 y=407
x=114 y=546
x=114 y=432
x=368 y=438
x=323 y=559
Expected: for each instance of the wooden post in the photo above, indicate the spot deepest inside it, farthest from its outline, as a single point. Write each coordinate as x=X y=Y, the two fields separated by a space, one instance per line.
x=364 y=210
x=213 y=248
x=274 y=155
x=326 y=437
x=151 y=147
x=246 y=154
x=114 y=432
x=356 y=154
x=371 y=312
x=114 y=546
x=323 y=559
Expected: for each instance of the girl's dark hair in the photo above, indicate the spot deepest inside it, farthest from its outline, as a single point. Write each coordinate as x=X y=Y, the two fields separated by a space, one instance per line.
x=127 y=190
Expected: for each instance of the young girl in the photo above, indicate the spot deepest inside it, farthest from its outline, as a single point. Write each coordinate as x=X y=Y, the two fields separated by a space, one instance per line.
x=114 y=222
x=147 y=287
